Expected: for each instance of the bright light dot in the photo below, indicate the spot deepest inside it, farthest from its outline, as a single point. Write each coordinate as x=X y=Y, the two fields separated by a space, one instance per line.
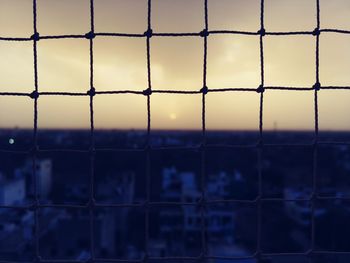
x=11 y=141
x=172 y=116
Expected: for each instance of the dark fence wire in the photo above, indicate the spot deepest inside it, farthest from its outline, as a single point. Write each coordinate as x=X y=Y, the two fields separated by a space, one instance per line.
x=202 y=148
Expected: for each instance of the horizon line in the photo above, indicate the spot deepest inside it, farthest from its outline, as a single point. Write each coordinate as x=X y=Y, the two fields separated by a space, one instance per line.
x=171 y=130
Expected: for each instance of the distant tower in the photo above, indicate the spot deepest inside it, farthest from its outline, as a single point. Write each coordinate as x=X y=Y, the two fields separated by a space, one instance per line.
x=44 y=177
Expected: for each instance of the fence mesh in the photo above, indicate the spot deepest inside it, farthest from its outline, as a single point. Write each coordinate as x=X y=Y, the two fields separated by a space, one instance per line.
x=204 y=91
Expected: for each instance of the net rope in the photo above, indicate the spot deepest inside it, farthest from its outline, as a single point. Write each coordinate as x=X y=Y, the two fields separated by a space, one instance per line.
x=204 y=91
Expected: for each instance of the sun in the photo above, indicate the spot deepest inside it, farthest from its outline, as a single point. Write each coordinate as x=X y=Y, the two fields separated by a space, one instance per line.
x=173 y=116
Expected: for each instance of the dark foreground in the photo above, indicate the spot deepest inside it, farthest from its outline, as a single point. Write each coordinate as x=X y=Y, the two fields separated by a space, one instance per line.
x=172 y=201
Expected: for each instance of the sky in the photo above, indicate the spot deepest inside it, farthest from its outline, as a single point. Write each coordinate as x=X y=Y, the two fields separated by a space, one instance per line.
x=176 y=63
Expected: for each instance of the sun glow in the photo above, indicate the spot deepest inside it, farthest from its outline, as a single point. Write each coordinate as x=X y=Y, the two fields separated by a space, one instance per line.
x=173 y=116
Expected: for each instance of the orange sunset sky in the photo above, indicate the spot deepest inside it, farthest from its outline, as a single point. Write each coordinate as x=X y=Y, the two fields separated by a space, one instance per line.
x=176 y=63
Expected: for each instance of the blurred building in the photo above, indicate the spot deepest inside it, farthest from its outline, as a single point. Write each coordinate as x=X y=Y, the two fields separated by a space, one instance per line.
x=16 y=233
x=111 y=225
x=114 y=231
x=43 y=175
x=300 y=211
x=12 y=190
x=181 y=226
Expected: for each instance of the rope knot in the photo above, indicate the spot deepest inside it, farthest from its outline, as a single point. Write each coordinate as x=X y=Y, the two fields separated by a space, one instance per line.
x=34 y=150
x=35 y=205
x=147 y=92
x=34 y=94
x=148 y=33
x=262 y=32
x=201 y=257
x=91 y=204
x=260 y=89
x=145 y=258
x=37 y=259
x=204 y=33
x=91 y=92
x=202 y=202
x=90 y=35
x=146 y=204
x=310 y=253
x=35 y=36
x=92 y=150
x=316 y=32
x=317 y=86
x=204 y=90
x=260 y=144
